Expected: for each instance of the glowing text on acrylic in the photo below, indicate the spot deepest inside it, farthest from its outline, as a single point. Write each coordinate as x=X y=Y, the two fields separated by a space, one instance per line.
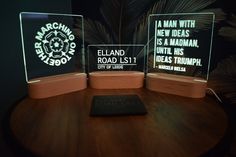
x=55 y=44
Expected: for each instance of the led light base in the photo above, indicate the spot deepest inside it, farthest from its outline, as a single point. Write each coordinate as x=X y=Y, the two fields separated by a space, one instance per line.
x=50 y=86
x=178 y=85
x=116 y=79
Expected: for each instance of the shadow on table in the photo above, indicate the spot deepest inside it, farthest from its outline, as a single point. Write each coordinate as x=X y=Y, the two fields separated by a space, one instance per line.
x=11 y=142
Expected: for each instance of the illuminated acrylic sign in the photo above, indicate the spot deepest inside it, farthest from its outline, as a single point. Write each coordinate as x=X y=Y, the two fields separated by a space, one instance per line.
x=180 y=43
x=52 y=44
x=116 y=57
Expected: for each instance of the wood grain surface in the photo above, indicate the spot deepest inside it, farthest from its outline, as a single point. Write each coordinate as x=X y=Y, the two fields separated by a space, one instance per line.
x=174 y=126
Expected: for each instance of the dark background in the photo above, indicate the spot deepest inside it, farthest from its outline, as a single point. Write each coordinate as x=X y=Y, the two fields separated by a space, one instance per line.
x=13 y=85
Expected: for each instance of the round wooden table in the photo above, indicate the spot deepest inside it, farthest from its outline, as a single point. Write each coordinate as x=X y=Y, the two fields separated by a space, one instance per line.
x=174 y=126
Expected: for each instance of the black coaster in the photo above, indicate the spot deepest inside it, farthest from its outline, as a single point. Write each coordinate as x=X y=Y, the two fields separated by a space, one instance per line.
x=115 y=105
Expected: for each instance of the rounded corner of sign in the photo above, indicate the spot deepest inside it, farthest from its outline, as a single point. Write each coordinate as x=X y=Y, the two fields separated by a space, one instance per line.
x=88 y=46
x=80 y=16
x=20 y=14
x=150 y=15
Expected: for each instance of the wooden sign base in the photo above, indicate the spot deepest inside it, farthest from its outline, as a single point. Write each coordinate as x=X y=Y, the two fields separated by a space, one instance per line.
x=116 y=79
x=45 y=87
x=178 y=85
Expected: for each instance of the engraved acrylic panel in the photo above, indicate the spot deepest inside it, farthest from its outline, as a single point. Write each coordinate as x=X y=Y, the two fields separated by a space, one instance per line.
x=51 y=45
x=180 y=44
x=116 y=58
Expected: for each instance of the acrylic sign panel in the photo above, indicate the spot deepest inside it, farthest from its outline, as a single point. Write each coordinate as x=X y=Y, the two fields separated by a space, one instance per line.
x=116 y=57
x=52 y=44
x=180 y=43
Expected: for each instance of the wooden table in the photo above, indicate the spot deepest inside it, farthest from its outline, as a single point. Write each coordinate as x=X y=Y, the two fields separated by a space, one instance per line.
x=174 y=126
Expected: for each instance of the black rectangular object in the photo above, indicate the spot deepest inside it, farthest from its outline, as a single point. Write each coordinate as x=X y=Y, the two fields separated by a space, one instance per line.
x=115 y=105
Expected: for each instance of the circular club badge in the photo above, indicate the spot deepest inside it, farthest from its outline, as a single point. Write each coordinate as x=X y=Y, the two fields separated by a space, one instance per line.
x=55 y=44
